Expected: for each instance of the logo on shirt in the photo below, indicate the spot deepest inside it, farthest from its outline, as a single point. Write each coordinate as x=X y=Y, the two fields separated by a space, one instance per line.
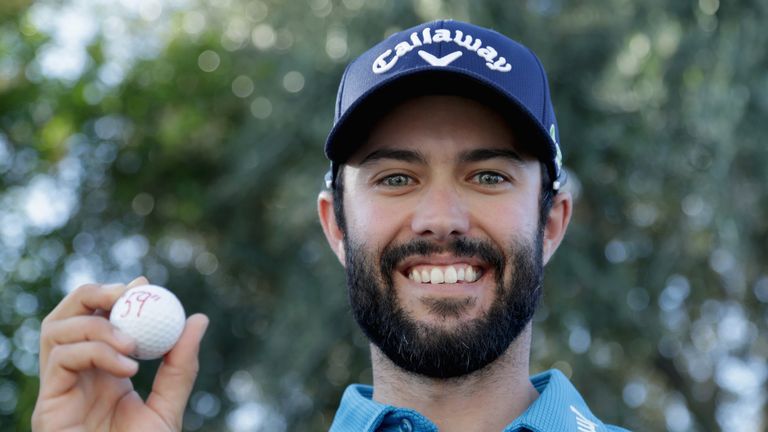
x=389 y=58
x=583 y=424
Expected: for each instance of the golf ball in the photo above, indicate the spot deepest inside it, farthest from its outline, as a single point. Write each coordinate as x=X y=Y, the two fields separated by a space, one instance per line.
x=153 y=316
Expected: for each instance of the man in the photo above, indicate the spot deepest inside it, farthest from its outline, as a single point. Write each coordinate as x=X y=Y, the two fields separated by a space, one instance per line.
x=444 y=202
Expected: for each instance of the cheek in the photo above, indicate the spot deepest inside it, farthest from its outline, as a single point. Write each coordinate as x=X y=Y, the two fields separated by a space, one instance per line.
x=374 y=222
x=503 y=221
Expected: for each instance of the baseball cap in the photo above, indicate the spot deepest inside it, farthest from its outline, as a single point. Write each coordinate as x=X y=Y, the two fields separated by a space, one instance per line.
x=447 y=57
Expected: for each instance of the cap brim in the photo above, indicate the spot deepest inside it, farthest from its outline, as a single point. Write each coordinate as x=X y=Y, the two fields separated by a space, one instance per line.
x=352 y=129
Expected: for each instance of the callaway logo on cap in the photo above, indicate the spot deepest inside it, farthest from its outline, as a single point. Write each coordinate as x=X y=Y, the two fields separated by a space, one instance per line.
x=388 y=58
x=452 y=58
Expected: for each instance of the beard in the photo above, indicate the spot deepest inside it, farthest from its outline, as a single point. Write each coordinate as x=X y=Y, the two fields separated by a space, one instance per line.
x=439 y=351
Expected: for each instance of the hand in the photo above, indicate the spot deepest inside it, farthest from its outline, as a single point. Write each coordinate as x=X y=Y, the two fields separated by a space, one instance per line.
x=85 y=372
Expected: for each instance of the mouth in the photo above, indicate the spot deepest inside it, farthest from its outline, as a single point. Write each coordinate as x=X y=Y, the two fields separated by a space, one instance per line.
x=442 y=271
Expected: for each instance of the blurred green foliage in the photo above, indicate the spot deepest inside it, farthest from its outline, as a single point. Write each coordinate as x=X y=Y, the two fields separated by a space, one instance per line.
x=183 y=141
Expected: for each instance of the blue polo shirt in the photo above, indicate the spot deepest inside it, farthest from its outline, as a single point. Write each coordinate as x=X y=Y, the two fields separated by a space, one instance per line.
x=559 y=408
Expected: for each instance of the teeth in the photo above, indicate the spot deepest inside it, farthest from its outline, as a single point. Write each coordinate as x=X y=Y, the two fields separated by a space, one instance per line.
x=469 y=276
x=424 y=276
x=416 y=276
x=436 y=276
x=450 y=274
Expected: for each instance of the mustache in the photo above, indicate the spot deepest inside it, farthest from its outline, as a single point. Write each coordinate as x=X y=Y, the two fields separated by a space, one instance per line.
x=462 y=247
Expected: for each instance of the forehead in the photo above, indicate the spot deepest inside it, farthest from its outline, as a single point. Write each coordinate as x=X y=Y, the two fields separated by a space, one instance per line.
x=439 y=125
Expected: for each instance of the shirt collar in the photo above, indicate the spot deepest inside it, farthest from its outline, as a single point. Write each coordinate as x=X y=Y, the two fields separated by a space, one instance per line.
x=559 y=407
x=358 y=411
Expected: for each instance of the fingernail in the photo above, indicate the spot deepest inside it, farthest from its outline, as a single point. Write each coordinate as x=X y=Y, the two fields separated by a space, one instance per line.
x=128 y=362
x=140 y=279
x=123 y=339
x=112 y=286
x=205 y=326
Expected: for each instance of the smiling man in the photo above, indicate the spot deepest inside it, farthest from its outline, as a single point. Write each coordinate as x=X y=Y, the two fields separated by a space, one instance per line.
x=444 y=203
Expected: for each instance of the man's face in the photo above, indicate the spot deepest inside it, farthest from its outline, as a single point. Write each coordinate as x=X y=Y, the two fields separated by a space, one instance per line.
x=443 y=247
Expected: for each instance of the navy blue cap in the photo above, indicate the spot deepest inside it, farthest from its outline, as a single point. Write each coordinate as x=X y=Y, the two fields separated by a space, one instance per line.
x=452 y=58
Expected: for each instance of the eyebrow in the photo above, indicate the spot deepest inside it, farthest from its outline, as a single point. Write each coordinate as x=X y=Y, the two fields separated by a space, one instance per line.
x=411 y=156
x=480 y=155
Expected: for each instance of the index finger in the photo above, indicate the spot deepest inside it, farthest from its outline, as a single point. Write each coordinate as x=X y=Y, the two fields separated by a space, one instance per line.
x=89 y=298
x=86 y=299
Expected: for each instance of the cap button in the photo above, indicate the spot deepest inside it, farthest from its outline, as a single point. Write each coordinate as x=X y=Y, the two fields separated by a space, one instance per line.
x=406 y=425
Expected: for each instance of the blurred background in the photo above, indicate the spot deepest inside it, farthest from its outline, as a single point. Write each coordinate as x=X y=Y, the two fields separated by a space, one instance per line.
x=182 y=140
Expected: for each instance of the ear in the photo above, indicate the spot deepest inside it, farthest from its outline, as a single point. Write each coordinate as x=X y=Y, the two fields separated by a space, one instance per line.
x=333 y=233
x=557 y=223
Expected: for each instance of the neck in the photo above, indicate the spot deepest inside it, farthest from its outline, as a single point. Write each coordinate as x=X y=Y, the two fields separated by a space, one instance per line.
x=486 y=400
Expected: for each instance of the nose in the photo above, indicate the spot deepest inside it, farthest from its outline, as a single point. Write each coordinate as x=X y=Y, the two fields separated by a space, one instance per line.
x=440 y=214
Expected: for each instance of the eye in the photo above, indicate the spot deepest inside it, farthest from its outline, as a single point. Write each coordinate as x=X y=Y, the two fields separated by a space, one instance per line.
x=488 y=178
x=395 y=180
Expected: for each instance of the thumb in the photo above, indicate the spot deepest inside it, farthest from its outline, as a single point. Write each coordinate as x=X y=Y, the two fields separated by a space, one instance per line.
x=176 y=375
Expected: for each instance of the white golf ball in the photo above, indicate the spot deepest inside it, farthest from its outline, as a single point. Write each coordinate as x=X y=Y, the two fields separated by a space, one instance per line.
x=153 y=316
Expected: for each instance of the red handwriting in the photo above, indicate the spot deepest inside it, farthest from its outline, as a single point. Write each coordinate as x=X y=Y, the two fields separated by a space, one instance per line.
x=139 y=298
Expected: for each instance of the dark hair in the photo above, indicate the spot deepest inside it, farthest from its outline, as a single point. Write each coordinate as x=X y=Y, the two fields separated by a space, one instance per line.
x=546 y=198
